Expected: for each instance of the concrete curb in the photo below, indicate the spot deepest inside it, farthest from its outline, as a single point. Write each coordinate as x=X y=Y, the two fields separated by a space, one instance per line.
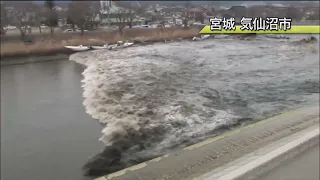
x=263 y=160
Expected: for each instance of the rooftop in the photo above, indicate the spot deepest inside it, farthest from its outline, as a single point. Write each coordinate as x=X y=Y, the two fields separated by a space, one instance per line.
x=112 y=9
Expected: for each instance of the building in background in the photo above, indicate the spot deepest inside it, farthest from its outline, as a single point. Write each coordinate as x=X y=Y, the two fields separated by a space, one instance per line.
x=110 y=12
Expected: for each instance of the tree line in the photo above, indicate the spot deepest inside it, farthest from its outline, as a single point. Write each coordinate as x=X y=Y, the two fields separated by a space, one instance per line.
x=25 y=14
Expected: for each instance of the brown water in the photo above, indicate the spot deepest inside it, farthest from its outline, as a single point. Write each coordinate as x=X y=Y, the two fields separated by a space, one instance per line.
x=155 y=98
x=149 y=99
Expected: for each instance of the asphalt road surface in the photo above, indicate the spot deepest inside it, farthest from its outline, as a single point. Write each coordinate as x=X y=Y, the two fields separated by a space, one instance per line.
x=303 y=167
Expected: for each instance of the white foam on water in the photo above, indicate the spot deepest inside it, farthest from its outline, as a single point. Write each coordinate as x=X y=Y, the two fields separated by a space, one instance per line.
x=141 y=94
x=160 y=96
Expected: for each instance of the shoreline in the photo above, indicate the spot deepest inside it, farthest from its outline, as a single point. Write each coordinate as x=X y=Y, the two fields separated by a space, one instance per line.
x=62 y=54
x=20 y=60
x=56 y=54
x=53 y=46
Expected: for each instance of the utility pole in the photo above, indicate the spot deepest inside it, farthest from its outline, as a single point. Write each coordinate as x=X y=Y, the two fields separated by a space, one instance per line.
x=109 y=6
x=108 y=18
x=106 y=7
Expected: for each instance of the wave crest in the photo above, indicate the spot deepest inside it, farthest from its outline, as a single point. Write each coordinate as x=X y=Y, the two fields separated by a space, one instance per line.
x=152 y=99
x=148 y=100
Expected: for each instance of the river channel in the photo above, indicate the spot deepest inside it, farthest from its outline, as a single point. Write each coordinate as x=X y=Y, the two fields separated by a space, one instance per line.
x=144 y=101
x=45 y=131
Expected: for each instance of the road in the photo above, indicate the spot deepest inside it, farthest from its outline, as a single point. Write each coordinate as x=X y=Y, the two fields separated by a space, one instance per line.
x=34 y=30
x=302 y=167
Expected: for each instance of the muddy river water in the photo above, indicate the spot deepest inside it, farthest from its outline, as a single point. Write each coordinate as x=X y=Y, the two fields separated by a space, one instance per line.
x=148 y=100
x=155 y=98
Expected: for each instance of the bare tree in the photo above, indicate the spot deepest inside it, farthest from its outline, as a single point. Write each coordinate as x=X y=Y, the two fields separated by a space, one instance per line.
x=93 y=12
x=199 y=18
x=122 y=19
x=186 y=15
x=21 y=14
x=78 y=13
x=4 y=19
x=157 y=17
x=70 y=15
x=133 y=12
x=50 y=15
x=38 y=17
x=33 y=17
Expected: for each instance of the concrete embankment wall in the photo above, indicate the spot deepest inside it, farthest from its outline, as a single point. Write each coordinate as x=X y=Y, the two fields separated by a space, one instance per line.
x=262 y=161
x=194 y=161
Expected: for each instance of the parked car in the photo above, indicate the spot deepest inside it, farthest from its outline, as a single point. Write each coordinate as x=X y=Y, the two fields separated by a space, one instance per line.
x=198 y=24
x=141 y=26
x=68 y=30
x=157 y=26
x=43 y=26
x=79 y=30
x=10 y=27
x=71 y=30
x=137 y=26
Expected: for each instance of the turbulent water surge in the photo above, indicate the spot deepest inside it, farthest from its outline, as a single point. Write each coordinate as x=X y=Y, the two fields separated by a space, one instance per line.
x=155 y=98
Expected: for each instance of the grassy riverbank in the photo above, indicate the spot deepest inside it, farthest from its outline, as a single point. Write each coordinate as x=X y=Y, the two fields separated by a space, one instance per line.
x=50 y=46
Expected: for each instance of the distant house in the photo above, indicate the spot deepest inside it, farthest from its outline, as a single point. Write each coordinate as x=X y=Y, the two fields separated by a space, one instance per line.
x=110 y=12
x=238 y=11
x=62 y=22
x=57 y=8
x=198 y=11
x=159 y=8
x=62 y=16
x=199 y=14
x=267 y=11
x=172 y=11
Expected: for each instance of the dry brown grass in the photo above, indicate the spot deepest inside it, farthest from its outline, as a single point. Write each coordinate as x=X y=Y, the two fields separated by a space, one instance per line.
x=56 y=44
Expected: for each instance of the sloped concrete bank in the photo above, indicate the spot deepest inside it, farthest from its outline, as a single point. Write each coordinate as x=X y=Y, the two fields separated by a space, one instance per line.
x=194 y=161
x=253 y=165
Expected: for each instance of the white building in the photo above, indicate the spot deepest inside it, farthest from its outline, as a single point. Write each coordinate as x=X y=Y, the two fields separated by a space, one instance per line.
x=110 y=11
